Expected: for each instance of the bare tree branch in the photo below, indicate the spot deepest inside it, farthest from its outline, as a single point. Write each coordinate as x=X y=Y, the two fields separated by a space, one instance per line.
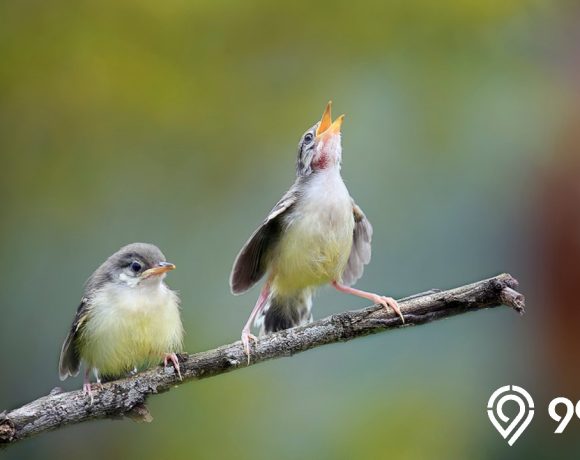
x=127 y=397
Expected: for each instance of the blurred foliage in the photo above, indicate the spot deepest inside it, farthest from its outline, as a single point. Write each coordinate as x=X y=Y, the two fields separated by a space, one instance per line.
x=176 y=123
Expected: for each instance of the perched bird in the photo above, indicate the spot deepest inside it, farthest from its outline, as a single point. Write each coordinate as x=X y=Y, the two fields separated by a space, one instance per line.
x=316 y=234
x=127 y=318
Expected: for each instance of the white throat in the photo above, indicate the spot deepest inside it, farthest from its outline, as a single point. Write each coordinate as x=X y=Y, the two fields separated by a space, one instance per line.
x=135 y=281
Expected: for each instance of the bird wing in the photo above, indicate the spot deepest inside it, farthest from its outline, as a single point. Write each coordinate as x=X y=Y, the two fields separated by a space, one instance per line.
x=250 y=264
x=360 y=253
x=70 y=360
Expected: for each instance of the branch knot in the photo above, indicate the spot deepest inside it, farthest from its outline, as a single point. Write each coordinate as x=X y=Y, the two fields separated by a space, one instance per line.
x=7 y=429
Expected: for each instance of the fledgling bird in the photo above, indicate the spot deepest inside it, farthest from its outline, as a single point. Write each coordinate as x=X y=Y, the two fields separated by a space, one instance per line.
x=127 y=318
x=316 y=234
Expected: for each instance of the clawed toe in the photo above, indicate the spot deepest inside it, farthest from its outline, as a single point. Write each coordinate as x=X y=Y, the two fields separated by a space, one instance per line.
x=389 y=302
x=87 y=391
x=246 y=337
x=175 y=361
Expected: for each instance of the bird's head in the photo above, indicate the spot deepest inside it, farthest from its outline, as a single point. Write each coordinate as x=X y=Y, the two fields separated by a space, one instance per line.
x=320 y=147
x=138 y=264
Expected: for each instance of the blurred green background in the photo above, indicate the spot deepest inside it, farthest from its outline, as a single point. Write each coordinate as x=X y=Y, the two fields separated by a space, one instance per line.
x=176 y=123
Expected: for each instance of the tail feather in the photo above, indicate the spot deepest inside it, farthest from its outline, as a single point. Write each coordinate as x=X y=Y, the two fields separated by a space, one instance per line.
x=69 y=362
x=285 y=312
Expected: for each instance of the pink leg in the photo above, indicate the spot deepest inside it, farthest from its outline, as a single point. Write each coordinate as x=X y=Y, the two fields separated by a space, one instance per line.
x=98 y=379
x=378 y=299
x=173 y=358
x=87 y=385
x=246 y=335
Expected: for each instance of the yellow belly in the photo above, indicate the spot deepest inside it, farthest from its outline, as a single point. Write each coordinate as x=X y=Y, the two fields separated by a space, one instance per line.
x=311 y=253
x=126 y=331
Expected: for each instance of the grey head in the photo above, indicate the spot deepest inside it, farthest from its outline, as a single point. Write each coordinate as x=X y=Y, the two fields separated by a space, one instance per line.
x=132 y=265
x=319 y=147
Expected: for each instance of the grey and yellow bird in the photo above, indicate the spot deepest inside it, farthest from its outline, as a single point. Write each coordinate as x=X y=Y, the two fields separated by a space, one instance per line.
x=128 y=318
x=316 y=234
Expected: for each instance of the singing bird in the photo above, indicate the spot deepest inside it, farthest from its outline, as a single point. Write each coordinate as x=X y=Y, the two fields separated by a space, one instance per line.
x=128 y=318
x=316 y=234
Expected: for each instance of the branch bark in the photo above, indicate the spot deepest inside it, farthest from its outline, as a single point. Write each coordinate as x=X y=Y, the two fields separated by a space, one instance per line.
x=127 y=397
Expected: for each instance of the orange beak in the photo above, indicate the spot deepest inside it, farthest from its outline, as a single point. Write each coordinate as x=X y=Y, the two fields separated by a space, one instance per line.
x=163 y=267
x=326 y=123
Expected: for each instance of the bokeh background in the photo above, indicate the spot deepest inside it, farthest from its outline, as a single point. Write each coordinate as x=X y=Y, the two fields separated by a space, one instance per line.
x=176 y=123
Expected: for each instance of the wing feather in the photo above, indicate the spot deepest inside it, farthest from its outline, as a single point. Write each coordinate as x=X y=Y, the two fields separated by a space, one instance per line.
x=251 y=262
x=360 y=254
x=70 y=361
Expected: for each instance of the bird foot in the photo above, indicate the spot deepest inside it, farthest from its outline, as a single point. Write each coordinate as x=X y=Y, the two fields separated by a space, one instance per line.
x=87 y=391
x=246 y=337
x=174 y=360
x=388 y=302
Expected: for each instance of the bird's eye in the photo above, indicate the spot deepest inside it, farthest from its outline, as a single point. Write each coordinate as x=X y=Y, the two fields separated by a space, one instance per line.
x=308 y=138
x=136 y=267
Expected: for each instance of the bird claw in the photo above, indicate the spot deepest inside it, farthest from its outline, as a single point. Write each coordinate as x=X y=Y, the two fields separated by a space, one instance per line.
x=246 y=337
x=174 y=360
x=389 y=302
x=87 y=391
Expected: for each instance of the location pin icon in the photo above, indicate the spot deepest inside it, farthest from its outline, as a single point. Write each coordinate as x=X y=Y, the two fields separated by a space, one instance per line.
x=510 y=430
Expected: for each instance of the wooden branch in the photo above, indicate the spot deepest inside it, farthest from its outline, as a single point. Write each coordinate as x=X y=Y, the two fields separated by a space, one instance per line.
x=127 y=397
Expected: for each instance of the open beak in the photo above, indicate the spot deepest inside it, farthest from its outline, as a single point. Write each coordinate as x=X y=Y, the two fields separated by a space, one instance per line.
x=326 y=124
x=162 y=267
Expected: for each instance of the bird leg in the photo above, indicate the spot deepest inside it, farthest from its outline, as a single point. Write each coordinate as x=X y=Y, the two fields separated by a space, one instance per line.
x=375 y=298
x=246 y=334
x=174 y=360
x=98 y=378
x=87 y=385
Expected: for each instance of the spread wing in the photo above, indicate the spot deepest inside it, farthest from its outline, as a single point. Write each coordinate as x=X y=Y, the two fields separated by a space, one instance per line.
x=360 y=254
x=70 y=360
x=251 y=262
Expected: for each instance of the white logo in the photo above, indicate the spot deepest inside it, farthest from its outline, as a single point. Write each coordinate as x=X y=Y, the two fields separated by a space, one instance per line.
x=564 y=420
x=520 y=421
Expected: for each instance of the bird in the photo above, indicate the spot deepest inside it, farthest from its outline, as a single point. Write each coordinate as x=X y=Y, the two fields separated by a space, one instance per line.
x=315 y=235
x=127 y=318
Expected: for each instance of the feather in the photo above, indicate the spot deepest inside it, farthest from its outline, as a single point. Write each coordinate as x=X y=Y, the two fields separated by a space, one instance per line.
x=70 y=360
x=285 y=312
x=251 y=262
x=130 y=328
x=360 y=254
